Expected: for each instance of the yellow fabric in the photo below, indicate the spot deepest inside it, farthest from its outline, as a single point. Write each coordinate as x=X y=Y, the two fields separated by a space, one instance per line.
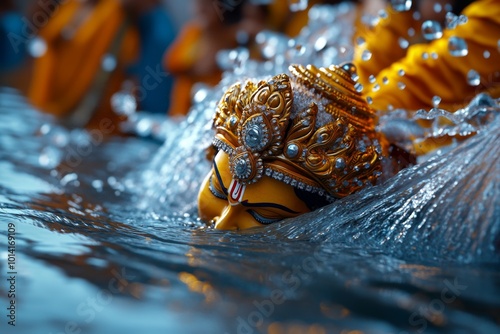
x=78 y=36
x=445 y=76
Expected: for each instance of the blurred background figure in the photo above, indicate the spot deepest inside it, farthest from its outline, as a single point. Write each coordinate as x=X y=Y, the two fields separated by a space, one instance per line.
x=84 y=51
x=192 y=57
x=14 y=65
x=156 y=32
x=220 y=25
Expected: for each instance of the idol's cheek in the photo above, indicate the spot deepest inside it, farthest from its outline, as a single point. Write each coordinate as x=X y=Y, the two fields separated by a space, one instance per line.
x=209 y=206
x=235 y=218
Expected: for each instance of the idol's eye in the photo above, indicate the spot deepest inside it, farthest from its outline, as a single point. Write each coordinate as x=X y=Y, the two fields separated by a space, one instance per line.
x=214 y=190
x=261 y=219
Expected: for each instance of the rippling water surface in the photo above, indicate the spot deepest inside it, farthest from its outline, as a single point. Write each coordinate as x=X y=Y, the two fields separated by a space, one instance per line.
x=99 y=249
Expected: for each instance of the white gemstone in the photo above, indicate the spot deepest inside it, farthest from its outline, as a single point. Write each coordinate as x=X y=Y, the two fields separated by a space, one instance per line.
x=340 y=163
x=292 y=150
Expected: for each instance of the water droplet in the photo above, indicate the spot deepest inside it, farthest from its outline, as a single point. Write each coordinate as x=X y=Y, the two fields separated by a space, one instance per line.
x=271 y=43
x=360 y=41
x=200 y=94
x=486 y=54
x=498 y=45
x=451 y=20
x=462 y=19
x=50 y=157
x=401 y=85
x=385 y=81
x=371 y=78
x=376 y=87
x=45 y=129
x=382 y=14
x=351 y=69
x=123 y=103
x=366 y=55
x=369 y=100
x=37 y=47
x=411 y=32
x=358 y=87
x=436 y=100
x=457 y=47
x=432 y=30
x=320 y=43
x=448 y=7
x=108 y=63
x=473 y=78
x=403 y=43
x=434 y=55
x=297 y=5
x=425 y=55
x=437 y=7
x=401 y=72
x=97 y=185
x=417 y=16
x=401 y=5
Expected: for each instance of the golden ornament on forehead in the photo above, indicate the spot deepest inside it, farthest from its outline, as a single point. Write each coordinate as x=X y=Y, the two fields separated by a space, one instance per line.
x=312 y=130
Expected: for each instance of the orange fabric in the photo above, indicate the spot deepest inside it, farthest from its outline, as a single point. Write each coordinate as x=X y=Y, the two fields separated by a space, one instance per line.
x=179 y=59
x=182 y=54
x=78 y=37
x=445 y=76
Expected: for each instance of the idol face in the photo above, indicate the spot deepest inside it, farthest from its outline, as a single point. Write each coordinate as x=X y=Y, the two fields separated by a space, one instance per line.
x=233 y=206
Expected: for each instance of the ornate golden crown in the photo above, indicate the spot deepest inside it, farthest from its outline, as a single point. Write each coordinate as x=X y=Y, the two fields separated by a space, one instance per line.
x=318 y=135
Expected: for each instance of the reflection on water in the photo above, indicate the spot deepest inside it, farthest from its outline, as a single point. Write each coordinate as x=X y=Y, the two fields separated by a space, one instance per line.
x=416 y=254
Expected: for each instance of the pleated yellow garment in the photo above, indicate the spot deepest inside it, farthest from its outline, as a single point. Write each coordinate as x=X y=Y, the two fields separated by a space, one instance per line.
x=430 y=69
x=78 y=38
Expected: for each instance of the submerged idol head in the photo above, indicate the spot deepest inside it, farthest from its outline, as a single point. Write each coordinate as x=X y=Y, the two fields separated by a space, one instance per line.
x=289 y=145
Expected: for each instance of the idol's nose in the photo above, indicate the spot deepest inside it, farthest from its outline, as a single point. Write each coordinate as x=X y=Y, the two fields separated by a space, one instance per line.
x=227 y=220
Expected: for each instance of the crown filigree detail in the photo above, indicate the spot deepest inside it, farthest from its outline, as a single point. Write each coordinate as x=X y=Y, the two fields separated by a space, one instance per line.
x=254 y=127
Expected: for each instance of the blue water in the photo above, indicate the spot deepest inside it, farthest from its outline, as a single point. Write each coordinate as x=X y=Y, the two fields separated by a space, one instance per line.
x=97 y=252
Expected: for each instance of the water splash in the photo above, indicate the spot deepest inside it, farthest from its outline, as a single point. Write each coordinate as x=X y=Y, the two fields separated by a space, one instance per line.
x=418 y=212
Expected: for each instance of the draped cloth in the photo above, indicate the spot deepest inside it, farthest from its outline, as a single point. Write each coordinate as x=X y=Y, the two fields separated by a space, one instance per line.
x=430 y=69
x=69 y=80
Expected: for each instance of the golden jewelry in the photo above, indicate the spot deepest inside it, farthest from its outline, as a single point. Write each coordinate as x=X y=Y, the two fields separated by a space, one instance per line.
x=313 y=131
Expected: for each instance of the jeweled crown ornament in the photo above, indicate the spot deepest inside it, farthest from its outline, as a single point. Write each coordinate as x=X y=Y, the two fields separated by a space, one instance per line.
x=311 y=130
